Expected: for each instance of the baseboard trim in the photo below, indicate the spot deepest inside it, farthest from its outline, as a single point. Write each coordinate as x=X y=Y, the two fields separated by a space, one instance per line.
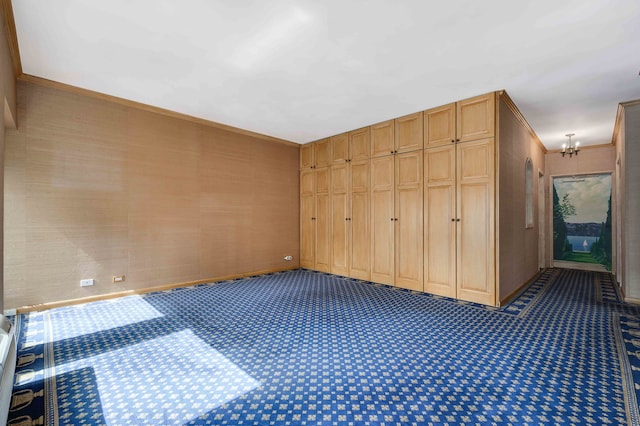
x=520 y=289
x=107 y=296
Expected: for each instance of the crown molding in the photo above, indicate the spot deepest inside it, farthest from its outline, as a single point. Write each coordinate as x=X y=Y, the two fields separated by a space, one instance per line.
x=514 y=109
x=616 y=126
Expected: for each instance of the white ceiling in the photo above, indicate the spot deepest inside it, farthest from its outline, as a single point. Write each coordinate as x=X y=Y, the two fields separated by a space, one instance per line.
x=302 y=70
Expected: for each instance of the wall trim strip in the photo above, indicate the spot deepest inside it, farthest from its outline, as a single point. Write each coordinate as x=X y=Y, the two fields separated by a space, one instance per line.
x=514 y=108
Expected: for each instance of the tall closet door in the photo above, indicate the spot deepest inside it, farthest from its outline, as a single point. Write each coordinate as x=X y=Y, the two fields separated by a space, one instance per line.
x=323 y=220
x=409 y=234
x=307 y=219
x=340 y=219
x=476 y=229
x=360 y=256
x=440 y=220
x=382 y=220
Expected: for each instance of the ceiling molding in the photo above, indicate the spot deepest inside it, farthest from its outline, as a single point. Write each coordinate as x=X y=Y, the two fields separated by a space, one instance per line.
x=514 y=109
x=630 y=103
x=149 y=108
x=616 y=126
x=12 y=38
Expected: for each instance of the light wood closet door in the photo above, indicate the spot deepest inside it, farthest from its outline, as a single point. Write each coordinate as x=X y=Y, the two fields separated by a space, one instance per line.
x=340 y=148
x=440 y=126
x=476 y=229
x=360 y=256
x=360 y=144
x=439 y=220
x=323 y=220
x=307 y=219
x=382 y=139
x=409 y=234
x=382 y=223
x=408 y=136
x=306 y=156
x=476 y=118
x=340 y=219
x=322 y=153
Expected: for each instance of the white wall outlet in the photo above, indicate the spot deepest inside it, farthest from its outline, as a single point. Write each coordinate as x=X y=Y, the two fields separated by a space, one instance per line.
x=87 y=282
x=288 y=258
x=118 y=278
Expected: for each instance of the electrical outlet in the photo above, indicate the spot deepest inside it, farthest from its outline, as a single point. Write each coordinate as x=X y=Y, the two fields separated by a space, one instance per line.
x=118 y=278
x=86 y=283
x=288 y=258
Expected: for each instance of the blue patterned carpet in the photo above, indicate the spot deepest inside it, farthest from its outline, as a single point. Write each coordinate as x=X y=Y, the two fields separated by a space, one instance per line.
x=303 y=347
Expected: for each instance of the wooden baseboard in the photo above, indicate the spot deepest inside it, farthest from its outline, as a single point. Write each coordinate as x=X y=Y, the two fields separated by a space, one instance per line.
x=519 y=290
x=632 y=300
x=69 y=302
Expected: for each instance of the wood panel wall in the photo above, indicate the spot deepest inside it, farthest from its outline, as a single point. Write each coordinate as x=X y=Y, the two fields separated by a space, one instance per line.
x=518 y=246
x=96 y=189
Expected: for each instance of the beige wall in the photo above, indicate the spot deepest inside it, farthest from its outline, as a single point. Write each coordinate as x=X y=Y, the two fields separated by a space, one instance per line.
x=630 y=228
x=8 y=105
x=518 y=246
x=590 y=160
x=96 y=189
x=619 y=185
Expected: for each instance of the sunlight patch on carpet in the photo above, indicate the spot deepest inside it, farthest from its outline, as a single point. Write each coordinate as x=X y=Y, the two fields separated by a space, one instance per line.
x=164 y=380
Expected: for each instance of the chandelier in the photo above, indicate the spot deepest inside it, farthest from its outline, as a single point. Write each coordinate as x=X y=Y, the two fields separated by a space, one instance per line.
x=571 y=148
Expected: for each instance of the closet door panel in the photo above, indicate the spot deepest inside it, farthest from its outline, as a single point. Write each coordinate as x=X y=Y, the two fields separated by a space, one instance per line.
x=440 y=126
x=439 y=221
x=409 y=234
x=340 y=219
x=360 y=144
x=382 y=139
x=476 y=230
x=322 y=153
x=360 y=266
x=476 y=118
x=382 y=223
x=307 y=219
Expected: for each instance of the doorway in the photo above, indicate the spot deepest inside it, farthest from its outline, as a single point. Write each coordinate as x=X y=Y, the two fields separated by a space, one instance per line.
x=582 y=221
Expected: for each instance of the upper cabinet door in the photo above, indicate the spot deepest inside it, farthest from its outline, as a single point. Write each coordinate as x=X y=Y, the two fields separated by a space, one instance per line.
x=409 y=133
x=323 y=153
x=360 y=144
x=440 y=126
x=306 y=156
x=476 y=118
x=340 y=148
x=382 y=137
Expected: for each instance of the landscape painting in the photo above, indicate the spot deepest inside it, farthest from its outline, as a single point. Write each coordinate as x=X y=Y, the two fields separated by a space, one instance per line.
x=582 y=219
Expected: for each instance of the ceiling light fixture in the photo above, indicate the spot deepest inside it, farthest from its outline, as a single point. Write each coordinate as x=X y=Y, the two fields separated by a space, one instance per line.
x=571 y=148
